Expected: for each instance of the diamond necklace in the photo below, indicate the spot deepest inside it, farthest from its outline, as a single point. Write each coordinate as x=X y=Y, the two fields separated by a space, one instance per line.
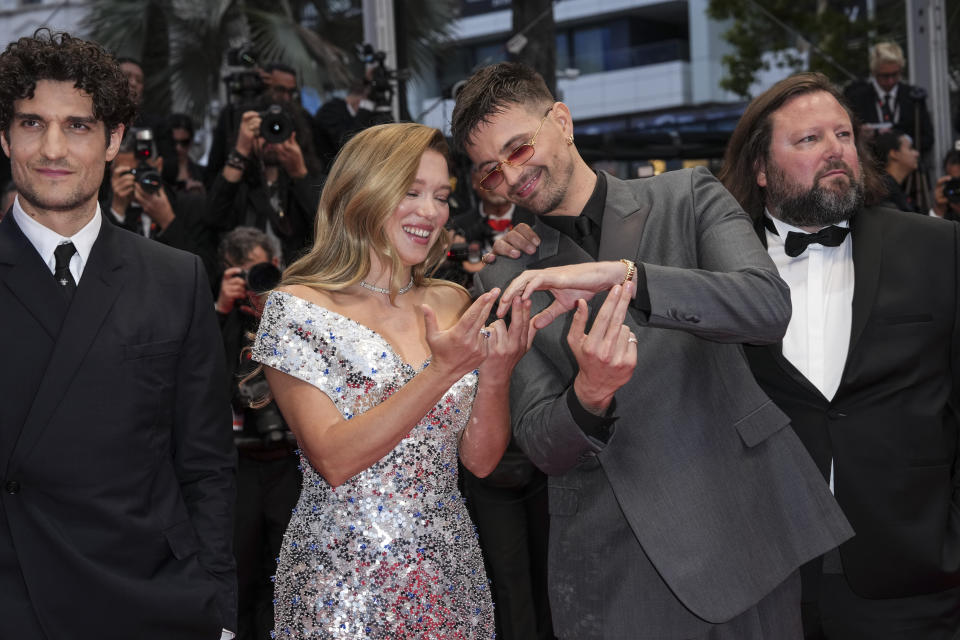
x=371 y=287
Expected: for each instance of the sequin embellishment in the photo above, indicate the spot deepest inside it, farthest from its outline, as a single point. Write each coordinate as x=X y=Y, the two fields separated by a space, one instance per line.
x=392 y=552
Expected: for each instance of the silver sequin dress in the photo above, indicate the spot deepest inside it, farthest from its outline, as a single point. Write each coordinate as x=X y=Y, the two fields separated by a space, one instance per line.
x=392 y=552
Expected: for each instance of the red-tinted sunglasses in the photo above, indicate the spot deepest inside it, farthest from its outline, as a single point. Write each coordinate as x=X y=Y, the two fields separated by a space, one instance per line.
x=517 y=158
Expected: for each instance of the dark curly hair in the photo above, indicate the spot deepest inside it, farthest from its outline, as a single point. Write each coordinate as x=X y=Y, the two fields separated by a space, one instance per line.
x=60 y=57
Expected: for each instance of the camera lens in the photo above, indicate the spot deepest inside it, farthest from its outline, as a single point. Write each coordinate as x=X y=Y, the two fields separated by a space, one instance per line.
x=263 y=277
x=951 y=190
x=275 y=125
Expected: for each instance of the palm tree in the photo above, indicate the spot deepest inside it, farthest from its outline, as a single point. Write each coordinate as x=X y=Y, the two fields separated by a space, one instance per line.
x=182 y=43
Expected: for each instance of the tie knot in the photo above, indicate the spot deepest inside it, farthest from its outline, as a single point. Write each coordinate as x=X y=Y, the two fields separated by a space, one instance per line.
x=797 y=243
x=63 y=253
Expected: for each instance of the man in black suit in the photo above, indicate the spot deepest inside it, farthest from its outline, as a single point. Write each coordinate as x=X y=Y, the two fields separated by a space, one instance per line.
x=339 y=119
x=868 y=368
x=116 y=460
x=884 y=101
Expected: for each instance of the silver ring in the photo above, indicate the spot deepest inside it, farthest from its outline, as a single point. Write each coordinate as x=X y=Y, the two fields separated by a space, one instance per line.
x=632 y=339
x=485 y=333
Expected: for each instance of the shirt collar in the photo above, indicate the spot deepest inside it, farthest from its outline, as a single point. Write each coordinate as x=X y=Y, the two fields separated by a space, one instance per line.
x=508 y=214
x=594 y=207
x=45 y=240
x=592 y=211
x=881 y=92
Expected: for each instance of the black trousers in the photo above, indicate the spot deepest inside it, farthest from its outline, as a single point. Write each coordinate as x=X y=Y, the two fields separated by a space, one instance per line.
x=513 y=524
x=267 y=492
x=840 y=614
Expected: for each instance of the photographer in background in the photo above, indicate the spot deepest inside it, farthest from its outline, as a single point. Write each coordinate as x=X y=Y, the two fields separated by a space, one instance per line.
x=139 y=200
x=268 y=481
x=897 y=157
x=266 y=182
x=884 y=101
x=185 y=174
x=339 y=118
x=946 y=200
x=255 y=88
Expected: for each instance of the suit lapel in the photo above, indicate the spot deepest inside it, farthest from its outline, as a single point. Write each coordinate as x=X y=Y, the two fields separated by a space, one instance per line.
x=96 y=293
x=29 y=279
x=867 y=237
x=624 y=219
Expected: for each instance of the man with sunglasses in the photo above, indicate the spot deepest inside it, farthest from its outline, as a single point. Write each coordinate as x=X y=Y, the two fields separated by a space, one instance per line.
x=681 y=503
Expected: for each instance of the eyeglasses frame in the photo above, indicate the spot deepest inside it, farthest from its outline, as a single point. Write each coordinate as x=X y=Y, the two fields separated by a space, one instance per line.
x=531 y=143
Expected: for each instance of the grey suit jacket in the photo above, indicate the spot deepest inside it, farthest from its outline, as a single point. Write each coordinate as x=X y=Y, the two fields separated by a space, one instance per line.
x=703 y=500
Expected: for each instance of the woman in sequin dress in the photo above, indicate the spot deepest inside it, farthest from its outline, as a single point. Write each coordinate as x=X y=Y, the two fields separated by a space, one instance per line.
x=386 y=376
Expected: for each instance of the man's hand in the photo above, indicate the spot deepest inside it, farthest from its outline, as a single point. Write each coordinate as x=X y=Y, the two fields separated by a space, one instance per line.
x=520 y=238
x=122 y=183
x=607 y=355
x=290 y=157
x=567 y=284
x=941 y=205
x=156 y=205
x=247 y=132
x=232 y=288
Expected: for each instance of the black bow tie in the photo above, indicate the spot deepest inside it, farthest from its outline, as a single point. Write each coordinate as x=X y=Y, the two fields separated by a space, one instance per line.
x=797 y=243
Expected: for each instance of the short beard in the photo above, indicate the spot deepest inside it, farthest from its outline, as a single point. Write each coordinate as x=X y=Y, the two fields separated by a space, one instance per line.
x=552 y=194
x=74 y=200
x=817 y=206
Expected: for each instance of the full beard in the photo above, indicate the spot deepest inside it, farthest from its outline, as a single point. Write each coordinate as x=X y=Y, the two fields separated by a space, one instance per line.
x=817 y=206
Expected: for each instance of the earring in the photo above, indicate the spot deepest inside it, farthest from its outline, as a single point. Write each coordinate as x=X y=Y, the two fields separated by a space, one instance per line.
x=569 y=140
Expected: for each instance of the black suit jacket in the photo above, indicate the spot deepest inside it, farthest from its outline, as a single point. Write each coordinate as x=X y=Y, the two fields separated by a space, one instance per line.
x=892 y=427
x=863 y=98
x=115 y=447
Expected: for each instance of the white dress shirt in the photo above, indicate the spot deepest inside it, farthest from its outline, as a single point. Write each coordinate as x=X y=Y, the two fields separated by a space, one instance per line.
x=46 y=240
x=821 y=292
x=894 y=107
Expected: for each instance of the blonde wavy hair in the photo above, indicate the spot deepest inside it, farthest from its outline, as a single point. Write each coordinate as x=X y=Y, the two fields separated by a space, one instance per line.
x=369 y=178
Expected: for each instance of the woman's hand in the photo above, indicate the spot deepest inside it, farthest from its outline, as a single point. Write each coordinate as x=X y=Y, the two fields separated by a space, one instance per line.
x=507 y=344
x=460 y=349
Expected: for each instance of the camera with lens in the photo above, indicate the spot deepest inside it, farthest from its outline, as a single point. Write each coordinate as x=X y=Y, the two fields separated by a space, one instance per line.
x=144 y=150
x=276 y=125
x=464 y=252
x=264 y=424
x=951 y=190
x=245 y=82
x=381 y=79
x=261 y=277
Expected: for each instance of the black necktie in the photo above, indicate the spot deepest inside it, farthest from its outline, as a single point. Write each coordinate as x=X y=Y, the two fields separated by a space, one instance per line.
x=61 y=272
x=797 y=243
x=885 y=108
x=588 y=241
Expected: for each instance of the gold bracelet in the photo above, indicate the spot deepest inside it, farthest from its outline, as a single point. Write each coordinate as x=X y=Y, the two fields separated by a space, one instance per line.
x=631 y=270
